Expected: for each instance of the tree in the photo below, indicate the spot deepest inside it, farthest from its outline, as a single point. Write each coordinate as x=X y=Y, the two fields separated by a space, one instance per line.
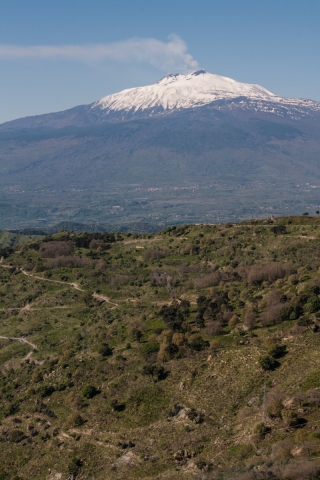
x=199 y=321
x=173 y=316
x=185 y=307
x=136 y=334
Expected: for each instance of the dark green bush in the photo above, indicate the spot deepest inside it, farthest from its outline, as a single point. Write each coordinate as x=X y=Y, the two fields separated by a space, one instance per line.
x=267 y=362
x=46 y=390
x=90 y=391
x=15 y=436
x=197 y=343
x=150 y=348
x=104 y=350
x=313 y=305
x=156 y=372
x=277 y=351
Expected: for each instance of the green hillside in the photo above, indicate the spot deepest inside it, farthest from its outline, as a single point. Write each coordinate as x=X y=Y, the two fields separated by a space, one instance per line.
x=8 y=239
x=192 y=353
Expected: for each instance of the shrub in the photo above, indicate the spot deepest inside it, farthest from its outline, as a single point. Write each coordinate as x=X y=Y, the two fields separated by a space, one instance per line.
x=37 y=376
x=71 y=261
x=46 y=390
x=74 y=466
x=156 y=372
x=250 y=320
x=290 y=418
x=282 y=450
x=158 y=279
x=291 y=312
x=272 y=314
x=150 y=348
x=54 y=249
x=15 y=436
x=117 y=406
x=214 y=327
x=275 y=408
x=313 y=305
x=74 y=420
x=260 y=428
x=277 y=351
x=194 y=416
x=105 y=350
x=197 y=343
x=267 y=362
x=119 y=280
x=306 y=470
x=278 y=229
x=89 y=391
x=208 y=280
x=269 y=272
x=154 y=254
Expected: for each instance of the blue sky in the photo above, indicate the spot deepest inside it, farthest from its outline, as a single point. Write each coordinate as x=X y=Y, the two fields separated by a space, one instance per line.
x=56 y=54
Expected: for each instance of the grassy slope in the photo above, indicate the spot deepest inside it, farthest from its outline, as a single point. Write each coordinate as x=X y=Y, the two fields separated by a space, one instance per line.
x=230 y=393
x=8 y=239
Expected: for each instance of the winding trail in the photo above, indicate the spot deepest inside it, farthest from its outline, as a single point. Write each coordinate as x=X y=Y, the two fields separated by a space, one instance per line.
x=27 y=358
x=22 y=340
x=72 y=284
x=98 y=296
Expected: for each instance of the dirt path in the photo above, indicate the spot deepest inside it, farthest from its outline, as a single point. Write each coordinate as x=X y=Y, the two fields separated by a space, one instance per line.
x=142 y=240
x=72 y=284
x=98 y=296
x=22 y=340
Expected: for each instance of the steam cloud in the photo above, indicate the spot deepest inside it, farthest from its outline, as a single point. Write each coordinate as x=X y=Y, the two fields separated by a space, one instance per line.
x=165 y=56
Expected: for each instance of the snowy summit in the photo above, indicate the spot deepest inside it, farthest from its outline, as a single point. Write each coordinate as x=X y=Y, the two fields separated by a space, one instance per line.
x=177 y=91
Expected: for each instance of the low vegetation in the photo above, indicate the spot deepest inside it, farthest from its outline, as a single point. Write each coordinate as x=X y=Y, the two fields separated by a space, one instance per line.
x=191 y=353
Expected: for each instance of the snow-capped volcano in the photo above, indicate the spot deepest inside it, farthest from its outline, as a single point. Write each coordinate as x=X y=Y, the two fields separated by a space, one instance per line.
x=198 y=131
x=197 y=89
x=195 y=93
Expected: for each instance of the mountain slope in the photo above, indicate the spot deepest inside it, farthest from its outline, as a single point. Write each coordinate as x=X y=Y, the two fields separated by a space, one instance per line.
x=189 y=354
